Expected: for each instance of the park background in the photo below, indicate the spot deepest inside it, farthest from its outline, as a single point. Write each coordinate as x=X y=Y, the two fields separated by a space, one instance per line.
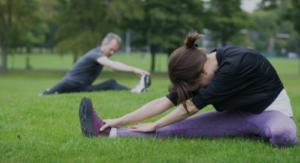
x=41 y=39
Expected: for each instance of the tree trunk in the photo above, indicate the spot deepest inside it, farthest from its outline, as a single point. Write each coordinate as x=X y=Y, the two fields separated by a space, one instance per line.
x=224 y=40
x=169 y=52
x=20 y=50
x=4 y=60
x=41 y=49
x=75 y=58
x=27 y=65
x=52 y=50
x=224 y=36
x=153 y=50
x=28 y=50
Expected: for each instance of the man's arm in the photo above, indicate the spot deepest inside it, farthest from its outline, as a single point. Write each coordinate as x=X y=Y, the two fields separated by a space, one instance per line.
x=149 y=110
x=118 y=66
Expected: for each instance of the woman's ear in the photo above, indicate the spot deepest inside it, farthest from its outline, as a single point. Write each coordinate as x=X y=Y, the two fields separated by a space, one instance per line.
x=204 y=71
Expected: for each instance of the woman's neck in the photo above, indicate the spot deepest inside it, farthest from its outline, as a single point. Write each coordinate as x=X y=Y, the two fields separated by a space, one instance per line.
x=211 y=63
x=210 y=68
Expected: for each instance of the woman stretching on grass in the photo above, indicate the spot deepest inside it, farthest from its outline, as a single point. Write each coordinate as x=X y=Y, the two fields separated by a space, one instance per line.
x=240 y=83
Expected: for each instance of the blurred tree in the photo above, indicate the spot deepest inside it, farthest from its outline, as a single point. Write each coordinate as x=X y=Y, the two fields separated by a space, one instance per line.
x=82 y=24
x=272 y=22
x=49 y=11
x=269 y=4
x=225 y=19
x=166 y=23
x=293 y=42
x=267 y=29
x=20 y=22
x=293 y=14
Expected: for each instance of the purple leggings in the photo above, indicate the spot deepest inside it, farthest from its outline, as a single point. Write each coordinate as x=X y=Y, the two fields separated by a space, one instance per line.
x=274 y=126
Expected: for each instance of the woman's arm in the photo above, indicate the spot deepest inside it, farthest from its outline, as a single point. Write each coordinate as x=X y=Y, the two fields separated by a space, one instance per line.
x=176 y=115
x=149 y=110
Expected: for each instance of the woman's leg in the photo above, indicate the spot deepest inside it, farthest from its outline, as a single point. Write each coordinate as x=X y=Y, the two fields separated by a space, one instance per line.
x=276 y=127
x=210 y=124
x=273 y=125
x=107 y=85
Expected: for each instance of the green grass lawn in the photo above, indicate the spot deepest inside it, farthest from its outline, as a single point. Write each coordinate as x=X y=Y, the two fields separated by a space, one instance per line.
x=141 y=60
x=47 y=128
x=65 y=62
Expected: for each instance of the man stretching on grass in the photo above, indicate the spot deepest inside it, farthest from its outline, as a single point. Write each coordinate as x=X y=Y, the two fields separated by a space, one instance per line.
x=88 y=67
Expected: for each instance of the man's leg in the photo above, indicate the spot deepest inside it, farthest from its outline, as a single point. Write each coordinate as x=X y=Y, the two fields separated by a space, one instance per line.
x=62 y=87
x=273 y=125
x=107 y=85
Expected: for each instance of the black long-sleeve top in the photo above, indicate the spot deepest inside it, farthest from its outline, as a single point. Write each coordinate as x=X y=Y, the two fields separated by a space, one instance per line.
x=245 y=80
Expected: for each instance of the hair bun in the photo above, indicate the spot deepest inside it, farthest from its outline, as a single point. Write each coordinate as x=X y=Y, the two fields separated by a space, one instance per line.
x=190 y=39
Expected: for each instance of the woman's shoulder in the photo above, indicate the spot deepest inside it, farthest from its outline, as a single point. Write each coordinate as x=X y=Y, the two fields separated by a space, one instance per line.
x=234 y=53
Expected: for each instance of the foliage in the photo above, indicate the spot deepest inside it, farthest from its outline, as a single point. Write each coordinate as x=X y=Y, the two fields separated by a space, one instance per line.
x=269 y=4
x=82 y=24
x=166 y=23
x=225 y=19
x=293 y=14
x=266 y=21
x=157 y=22
x=49 y=10
x=158 y=25
x=21 y=23
x=28 y=26
x=293 y=42
x=270 y=24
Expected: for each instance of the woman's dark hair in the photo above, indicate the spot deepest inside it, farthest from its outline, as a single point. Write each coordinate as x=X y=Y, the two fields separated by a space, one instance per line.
x=184 y=69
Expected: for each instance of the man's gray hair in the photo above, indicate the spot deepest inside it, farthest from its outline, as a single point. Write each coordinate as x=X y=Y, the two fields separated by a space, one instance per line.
x=111 y=36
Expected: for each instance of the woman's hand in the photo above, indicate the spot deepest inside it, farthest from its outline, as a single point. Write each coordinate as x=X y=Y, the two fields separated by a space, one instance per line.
x=143 y=127
x=149 y=110
x=111 y=123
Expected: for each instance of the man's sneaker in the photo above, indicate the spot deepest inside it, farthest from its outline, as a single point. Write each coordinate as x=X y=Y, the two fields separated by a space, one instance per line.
x=144 y=84
x=90 y=122
x=41 y=94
